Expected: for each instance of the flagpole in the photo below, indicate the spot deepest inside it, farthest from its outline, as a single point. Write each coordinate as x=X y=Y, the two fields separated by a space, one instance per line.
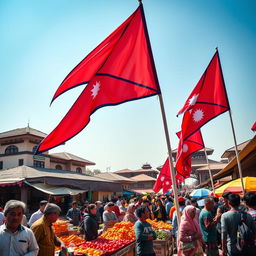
x=237 y=156
x=234 y=136
x=209 y=169
x=174 y=184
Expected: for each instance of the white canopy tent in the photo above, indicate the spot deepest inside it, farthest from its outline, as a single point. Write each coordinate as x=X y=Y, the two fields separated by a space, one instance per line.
x=55 y=190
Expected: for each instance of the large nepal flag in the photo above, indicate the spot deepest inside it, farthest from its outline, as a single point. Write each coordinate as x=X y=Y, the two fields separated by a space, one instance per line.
x=118 y=70
x=207 y=100
x=185 y=149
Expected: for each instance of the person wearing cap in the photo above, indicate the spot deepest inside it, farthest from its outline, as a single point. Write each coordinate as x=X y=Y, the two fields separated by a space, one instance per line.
x=43 y=231
x=109 y=217
x=16 y=239
x=38 y=214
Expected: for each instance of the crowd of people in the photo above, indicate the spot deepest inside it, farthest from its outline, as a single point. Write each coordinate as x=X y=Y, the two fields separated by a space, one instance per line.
x=206 y=229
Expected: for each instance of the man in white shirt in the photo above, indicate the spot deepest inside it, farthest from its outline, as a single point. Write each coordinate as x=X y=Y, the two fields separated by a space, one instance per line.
x=16 y=239
x=38 y=214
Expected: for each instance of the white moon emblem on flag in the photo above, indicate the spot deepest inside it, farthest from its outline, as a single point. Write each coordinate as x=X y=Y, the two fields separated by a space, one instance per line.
x=193 y=99
x=162 y=178
x=198 y=115
x=95 y=89
x=185 y=148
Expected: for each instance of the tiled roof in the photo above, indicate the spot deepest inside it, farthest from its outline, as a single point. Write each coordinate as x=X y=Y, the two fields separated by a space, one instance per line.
x=215 y=166
x=239 y=148
x=123 y=171
x=22 y=131
x=143 y=177
x=113 y=177
x=69 y=156
x=135 y=171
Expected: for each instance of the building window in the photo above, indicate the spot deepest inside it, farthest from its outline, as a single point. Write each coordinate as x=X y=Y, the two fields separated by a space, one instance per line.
x=11 y=150
x=58 y=167
x=1 y=165
x=21 y=162
x=78 y=170
x=38 y=164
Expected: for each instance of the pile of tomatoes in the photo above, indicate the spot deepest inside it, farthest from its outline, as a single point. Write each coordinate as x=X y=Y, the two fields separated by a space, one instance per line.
x=108 y=246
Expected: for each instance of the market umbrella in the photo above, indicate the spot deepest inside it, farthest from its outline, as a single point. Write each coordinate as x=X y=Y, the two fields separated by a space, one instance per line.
x=200 y=193
x=235 y=186
x=169 y=192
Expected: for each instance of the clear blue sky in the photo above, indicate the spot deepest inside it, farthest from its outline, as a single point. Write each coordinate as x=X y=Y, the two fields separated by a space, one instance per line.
x=41 y=41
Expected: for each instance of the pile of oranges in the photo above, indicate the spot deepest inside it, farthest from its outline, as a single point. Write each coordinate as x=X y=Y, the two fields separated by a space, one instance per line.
x=72 y=239
x=88 y=251
x=120 y=231
x=159 y=224
x=60 y=226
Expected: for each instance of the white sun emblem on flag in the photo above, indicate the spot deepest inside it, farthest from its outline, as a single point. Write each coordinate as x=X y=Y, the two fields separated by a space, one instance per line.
x=198 y=115
x=192 y=101
x=162 y=178
x=95 y=89
x=185 y=148
x=167 y=182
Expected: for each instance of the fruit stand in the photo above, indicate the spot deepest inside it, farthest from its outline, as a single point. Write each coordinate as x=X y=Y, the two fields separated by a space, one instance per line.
x=163 y=244
x=116 y=241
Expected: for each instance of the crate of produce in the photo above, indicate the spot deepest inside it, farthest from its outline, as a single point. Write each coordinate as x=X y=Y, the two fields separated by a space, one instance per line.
x=128 y=250
x=162 y=247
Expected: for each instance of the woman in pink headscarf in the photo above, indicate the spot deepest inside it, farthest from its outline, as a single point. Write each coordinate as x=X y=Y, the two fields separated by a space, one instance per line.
x=189 y=234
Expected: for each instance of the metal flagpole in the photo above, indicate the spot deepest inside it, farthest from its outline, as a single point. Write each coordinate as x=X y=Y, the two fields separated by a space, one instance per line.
x=174 y=184
x=237 y=156
x=209 y=169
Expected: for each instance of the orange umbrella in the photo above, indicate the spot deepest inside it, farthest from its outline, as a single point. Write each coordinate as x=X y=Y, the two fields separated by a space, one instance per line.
x=235 y=186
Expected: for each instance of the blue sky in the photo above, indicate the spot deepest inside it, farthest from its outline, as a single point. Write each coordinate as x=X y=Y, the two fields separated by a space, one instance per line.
x=41 y=41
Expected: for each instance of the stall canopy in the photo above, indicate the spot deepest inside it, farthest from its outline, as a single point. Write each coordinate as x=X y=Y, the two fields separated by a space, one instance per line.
x=60 y=178
x=55 y=191
x=11 y=182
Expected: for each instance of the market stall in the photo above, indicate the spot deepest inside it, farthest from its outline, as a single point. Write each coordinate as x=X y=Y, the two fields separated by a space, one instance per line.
x=116 y=241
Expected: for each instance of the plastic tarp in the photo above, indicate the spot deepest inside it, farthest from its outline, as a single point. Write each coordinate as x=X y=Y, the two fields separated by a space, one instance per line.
x=54 y=190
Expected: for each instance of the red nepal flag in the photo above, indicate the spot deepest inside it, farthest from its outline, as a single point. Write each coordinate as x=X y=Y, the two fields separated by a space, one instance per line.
x=185 y=149
x=118 y=70
x=254 y=127
x=164 y=179
x=207 y=100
